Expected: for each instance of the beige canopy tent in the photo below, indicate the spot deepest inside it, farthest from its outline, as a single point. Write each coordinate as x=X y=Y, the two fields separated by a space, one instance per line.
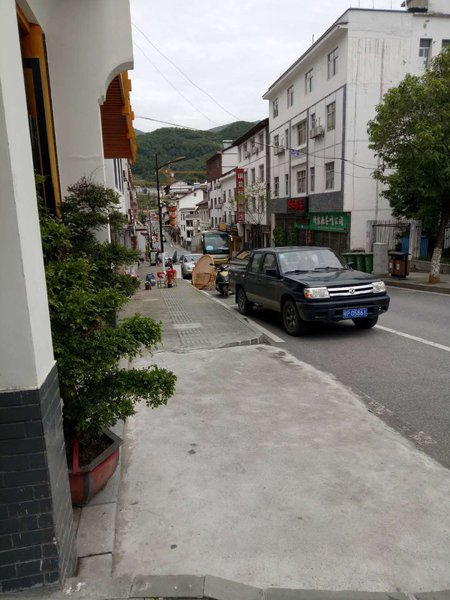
x=203 y=273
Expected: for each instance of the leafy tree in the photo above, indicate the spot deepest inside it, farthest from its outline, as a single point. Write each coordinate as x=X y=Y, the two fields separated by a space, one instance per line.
x=255 y=202
x=85 y=291
x=411 y=135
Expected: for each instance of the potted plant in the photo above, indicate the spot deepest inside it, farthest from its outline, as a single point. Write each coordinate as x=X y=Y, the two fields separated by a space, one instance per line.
x=86 y=289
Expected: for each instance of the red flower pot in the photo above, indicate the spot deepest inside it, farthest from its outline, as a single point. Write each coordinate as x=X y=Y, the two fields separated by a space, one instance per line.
x=88 y=480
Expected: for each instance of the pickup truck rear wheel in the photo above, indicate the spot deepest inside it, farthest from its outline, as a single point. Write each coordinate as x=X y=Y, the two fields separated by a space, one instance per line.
x=244 y=306
x=366 y=323
x=292 y=321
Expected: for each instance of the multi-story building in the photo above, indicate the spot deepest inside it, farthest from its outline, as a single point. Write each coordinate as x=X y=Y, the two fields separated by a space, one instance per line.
x=186 y=216
x=321 y=164
x=239 y=197
x=252 y=194
x=202 y=212
x=221 y=162
x=72 y=128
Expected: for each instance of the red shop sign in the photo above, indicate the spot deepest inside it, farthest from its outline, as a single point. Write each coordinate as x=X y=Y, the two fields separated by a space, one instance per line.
x=297 y=205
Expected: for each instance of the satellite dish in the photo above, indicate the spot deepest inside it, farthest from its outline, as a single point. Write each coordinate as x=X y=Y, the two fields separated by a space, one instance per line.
x=203 y=273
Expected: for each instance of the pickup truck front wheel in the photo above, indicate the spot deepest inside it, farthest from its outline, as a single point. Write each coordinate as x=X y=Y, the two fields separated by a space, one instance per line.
x=292 y=322
x=244 y=306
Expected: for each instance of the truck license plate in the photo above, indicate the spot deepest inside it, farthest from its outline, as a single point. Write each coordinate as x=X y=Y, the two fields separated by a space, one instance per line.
x=354 y=313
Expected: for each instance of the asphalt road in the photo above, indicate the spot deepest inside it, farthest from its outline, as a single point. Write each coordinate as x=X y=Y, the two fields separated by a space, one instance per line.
x=400 y=368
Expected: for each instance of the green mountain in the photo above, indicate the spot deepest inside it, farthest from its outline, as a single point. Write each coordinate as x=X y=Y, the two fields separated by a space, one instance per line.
x=171 y=142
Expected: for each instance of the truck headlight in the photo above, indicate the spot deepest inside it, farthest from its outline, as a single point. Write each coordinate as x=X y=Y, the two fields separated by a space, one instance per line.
x=318 y=292
x=378 y=287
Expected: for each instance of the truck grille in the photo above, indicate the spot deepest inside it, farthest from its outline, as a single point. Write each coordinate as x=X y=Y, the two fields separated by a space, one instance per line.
x=350 y=291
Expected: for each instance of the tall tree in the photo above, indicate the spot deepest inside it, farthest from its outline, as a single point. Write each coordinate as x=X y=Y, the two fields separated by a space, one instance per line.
x=411 y=135
x=255 y=202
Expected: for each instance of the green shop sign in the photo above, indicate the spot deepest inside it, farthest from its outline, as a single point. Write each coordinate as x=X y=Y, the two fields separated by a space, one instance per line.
x=326 y=221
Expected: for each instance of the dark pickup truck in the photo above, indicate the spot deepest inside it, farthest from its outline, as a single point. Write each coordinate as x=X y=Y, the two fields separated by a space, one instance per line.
x=308 y=284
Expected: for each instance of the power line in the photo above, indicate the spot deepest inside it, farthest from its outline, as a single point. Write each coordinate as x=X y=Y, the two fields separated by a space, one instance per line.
x=174 y=87
x=186 y=76
x=167 y=123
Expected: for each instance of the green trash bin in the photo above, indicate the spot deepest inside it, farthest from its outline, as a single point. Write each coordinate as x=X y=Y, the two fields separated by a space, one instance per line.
x=359 y=260
x=368 y=259
x=349 y=257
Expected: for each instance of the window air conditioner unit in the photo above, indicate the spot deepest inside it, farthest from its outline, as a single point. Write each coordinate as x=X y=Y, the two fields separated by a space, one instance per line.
x=316 y=132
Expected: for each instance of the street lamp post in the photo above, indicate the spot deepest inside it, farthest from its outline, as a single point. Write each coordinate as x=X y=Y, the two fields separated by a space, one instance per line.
x=157 y=168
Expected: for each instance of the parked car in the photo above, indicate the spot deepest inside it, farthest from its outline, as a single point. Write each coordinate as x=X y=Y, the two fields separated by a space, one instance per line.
x=177 y=256
x=188 y=263
x=237 y=263
x=307 y=284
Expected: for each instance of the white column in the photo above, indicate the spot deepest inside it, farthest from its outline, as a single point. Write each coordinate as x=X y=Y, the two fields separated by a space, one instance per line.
x=26 y=354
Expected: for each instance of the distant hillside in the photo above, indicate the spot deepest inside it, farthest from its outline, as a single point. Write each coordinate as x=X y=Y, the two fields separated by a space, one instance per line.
x=171 y=142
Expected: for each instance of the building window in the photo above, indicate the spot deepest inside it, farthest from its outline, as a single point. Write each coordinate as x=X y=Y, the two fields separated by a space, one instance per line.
x=290 y=96
x=276 y=186
x=286 y=138
x=313 y=120
x=331 y=116
x=332 y=63
x=253 y=176
x=275 y=108
x=329 y=176
x=261 y=173
x=445 y=44
x=301 y=181
x=239 y=154
x=425 y=51
x=301 y=133
x=286 y=184
x=312 y=179
x=276 y=141
x=309 y=81
x=261 y=141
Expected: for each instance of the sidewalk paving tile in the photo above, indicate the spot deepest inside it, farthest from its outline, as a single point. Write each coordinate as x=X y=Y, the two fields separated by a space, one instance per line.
x=168 y=586
x=224 y=589
x=96 y=529
x=287 y=594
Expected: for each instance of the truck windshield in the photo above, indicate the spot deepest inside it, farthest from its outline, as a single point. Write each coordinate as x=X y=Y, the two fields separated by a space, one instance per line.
x=309 y=260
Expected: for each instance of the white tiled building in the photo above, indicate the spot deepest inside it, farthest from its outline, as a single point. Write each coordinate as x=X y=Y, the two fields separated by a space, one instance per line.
x=247 y=218
x=187 y=218
x=321 y=164
x=253 y=212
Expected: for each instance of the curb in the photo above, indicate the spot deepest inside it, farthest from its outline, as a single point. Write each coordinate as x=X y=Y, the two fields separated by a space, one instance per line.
x=187 y=587
x=436 y=288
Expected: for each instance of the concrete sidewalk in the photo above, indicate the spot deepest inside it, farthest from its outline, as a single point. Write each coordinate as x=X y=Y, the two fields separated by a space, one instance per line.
x=417 y=280
x=262 y=478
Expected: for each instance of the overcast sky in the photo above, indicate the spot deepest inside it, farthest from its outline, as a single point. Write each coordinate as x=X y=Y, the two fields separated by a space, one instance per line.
x=233 y=50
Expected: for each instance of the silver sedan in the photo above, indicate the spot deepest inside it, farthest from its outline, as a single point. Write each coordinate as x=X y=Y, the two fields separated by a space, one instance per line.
x=188 y=263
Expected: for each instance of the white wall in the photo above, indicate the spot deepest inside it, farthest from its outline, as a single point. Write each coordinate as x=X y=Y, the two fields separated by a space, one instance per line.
x=26 y=354
x=88 y=44
x=382 y=48
x=376 y=49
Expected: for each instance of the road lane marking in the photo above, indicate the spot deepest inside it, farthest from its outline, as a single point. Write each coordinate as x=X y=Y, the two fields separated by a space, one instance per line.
x=414 y=338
